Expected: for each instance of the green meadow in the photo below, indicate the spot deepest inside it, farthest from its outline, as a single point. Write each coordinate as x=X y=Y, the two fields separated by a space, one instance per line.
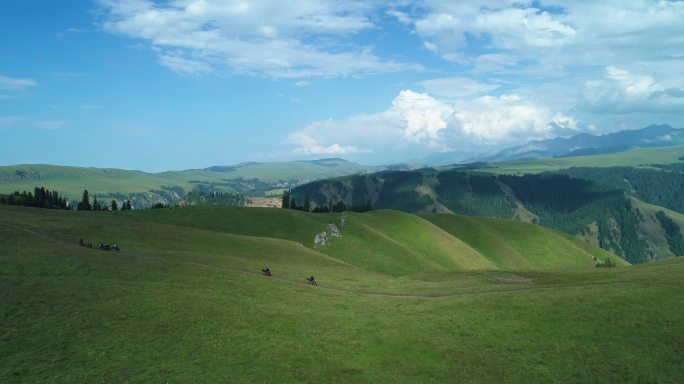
x=401 y=298
x=71 y=181
x=642 y=157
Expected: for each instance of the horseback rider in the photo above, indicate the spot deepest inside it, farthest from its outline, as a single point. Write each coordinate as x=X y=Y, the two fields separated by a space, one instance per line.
x=266 y=271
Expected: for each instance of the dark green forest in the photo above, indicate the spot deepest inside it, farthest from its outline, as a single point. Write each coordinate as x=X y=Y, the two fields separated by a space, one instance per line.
x=40 y=198
x=672 y=233
x=663 y=186
x=571 y=205
x=473 y=194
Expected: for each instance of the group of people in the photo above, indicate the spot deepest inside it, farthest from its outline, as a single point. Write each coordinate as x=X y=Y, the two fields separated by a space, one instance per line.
x=101 y=246
x=310 y=280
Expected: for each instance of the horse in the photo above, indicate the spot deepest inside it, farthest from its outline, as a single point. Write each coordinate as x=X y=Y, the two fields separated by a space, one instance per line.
x=311 y=281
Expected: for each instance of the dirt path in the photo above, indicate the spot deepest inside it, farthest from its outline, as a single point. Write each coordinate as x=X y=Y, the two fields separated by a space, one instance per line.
x=303 y=282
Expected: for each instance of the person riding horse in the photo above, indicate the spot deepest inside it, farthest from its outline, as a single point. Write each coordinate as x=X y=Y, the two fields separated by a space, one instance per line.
x=266 y=271
x=311 y=280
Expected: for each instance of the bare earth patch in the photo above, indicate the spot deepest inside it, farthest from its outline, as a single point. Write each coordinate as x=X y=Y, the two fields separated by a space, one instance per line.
x=264 y=202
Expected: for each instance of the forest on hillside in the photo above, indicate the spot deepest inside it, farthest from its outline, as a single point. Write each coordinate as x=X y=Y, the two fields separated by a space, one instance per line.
x=663 y=186
x=586 y=202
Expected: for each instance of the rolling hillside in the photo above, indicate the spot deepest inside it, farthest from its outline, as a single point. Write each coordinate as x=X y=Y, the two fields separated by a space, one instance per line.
x=184 y=301
x=653 y=136
x=642 y=157
x=146 y=189
x=590 y=203
x=390 y=242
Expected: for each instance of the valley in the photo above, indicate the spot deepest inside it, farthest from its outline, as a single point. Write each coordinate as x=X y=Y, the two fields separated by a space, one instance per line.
x=397 y=300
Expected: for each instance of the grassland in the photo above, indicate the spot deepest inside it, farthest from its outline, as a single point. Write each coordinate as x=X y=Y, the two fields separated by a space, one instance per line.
x=642 y=157
x=183 y=302
x=71 y=181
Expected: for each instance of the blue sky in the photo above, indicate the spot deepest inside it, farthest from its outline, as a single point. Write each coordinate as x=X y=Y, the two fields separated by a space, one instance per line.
x=178 y=84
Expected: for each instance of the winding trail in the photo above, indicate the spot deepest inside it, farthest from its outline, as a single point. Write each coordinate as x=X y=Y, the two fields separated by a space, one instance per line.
x=339 y=289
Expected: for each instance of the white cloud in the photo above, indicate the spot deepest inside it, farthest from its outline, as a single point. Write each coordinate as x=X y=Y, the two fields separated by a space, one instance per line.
x=598 y=59
x=13 y=86
x=417 y=122
x=508 y=25
x=424 y=118
x=620 y=91
x=507 y=118
x=551 y=34
x=413 y=120
x=271 y=38
x=456 y=87
x=20 y=122
x=307 y=145
x=183 y=65
x=400 y=16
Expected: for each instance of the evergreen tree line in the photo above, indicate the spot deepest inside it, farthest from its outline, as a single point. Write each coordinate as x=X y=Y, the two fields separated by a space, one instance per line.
x=663 y=187
x=571 y=205
x=97 y=205
x=673 y=233
x=289 y=202
x=40 y=198
x=473 y=194
x=198 y=197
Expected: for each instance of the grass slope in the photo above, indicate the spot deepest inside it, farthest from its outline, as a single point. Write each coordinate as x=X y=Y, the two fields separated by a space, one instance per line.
x=515 y=245
x=632 y=158
x=393 y=242
x=174 y=306
x=71 y=181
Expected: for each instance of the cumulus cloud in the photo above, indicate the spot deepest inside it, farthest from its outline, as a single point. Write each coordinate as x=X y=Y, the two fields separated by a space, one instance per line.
x=423 y=117
x=14 y=86
x=310 y=145
x=419 y=122
x=508 y=118
x=272 y=38
x=620 y=91
x=413 y=119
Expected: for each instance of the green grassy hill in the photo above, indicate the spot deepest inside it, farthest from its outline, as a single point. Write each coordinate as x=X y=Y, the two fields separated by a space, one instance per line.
x=184 y=302
x=515 y=245
x=71 y=181
x=590 y=203
x=390 y=242
x=642 y=157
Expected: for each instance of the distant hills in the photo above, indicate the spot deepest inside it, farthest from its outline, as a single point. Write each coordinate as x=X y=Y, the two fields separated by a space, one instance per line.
x=603 y=199
x=146 y=189
x=587 y=144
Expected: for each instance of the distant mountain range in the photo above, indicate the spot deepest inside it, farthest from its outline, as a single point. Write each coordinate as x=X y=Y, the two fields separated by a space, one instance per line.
x=588 y=144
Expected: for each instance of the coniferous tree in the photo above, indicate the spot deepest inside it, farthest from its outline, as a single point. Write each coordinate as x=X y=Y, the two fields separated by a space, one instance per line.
x=286 y=200
x=84 y=205
x=307 y=203
x=115 y=205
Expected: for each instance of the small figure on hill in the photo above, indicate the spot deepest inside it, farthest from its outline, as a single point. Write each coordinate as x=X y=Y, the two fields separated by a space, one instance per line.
x=311 y=280
x=115 y=247
x=81 y=243
x=266 y=271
